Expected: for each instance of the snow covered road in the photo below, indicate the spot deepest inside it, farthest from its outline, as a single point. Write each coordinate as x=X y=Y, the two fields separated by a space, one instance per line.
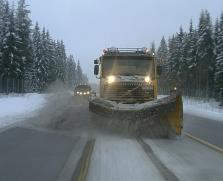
x=116 y=157
x=188 y=159
x=123 y=159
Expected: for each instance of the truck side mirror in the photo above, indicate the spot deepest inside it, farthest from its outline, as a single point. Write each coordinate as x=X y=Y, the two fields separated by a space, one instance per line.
x=96 y=69
x=159 y=70
x=96 y=62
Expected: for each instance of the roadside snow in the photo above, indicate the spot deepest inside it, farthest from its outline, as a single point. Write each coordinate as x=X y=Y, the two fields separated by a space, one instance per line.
x=203 y=109
x=200 y=108
x=14 y=107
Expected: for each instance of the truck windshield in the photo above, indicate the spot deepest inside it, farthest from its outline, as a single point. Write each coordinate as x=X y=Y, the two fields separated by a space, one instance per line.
x=127 y=66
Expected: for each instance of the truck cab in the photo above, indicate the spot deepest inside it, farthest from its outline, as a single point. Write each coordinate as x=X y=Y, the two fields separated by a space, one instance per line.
x=82 y=90
x=127 y=75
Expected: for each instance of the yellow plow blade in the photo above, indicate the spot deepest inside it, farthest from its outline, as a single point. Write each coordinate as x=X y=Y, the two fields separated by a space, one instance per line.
x=175 y=117
x=159 y=118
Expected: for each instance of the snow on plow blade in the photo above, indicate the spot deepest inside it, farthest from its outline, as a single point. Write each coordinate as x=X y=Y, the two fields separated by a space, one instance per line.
x=159 y=118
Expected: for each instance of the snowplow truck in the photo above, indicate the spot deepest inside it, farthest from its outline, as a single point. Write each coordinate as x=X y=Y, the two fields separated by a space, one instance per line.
x=128 y=94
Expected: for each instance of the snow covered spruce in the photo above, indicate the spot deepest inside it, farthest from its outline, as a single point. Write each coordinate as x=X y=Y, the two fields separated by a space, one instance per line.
x=193 y=60
x=30 y=58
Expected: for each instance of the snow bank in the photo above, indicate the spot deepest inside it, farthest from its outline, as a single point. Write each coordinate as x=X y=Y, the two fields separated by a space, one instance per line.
x=14 y=108
x=203 y=109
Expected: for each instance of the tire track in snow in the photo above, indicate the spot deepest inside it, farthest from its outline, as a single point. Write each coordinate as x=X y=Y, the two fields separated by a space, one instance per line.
x=167 y=174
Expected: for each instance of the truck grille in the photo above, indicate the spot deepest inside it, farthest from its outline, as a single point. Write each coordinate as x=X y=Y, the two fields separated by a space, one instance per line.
x=128 y=91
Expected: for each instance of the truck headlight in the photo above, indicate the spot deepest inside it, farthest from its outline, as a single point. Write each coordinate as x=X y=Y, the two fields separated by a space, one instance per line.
x=147 y=79
x=111 y=79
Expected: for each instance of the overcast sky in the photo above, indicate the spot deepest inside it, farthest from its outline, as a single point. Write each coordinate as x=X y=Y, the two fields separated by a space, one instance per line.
x=88 y=26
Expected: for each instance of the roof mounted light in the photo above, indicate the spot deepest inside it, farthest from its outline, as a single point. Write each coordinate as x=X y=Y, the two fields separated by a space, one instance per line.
x=145 y=50
x=104 y=51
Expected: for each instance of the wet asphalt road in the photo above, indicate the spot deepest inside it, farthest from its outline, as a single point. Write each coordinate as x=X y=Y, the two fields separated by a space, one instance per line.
x=27 y=154
x=206 y=129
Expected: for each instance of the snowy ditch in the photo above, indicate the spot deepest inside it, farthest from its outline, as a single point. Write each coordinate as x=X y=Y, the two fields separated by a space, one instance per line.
x=204 y=109
x=17 y=107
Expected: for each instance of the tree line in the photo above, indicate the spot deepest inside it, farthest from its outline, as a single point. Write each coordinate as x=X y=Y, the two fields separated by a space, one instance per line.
x=192 y=60
x=30 y=54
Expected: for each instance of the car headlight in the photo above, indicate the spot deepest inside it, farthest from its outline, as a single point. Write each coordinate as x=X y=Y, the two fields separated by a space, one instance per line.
x=85 y=93
x=147 y=79
x=111 y=79
x=78 y=92
x=81 y=93
x=88 y=92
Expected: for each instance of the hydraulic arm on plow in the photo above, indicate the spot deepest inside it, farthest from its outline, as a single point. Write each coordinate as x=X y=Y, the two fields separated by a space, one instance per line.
x=128 y=93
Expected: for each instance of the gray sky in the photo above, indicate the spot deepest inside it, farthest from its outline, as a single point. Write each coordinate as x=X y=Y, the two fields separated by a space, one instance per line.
x=88 y=26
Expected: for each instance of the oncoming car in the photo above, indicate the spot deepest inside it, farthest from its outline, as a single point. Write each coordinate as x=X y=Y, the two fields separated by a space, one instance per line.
x=82 y=90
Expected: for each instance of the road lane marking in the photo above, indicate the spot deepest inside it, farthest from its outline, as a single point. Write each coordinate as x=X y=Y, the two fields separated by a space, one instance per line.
x=81 y=171
x=165 y=172
x=214 y=147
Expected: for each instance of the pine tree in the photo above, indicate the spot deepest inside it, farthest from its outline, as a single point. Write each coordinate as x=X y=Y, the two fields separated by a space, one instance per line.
x=191 y=59
x=171 y=61
x=71 y=71
x=4 y=27
x=162 y=59
x=50 y=58
x=219 y=60
x=61 y=61
x=1 y=31
x=85 y=79
x=23 y=27
x=30 y=56
x=179 y=64
x=183 y=68
x=162 y=52
x=44 y=64
x=2 y=7
x=36 y=39
x=79 y=73
x=175 y=59
x=9 y=54
x=205 y=55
